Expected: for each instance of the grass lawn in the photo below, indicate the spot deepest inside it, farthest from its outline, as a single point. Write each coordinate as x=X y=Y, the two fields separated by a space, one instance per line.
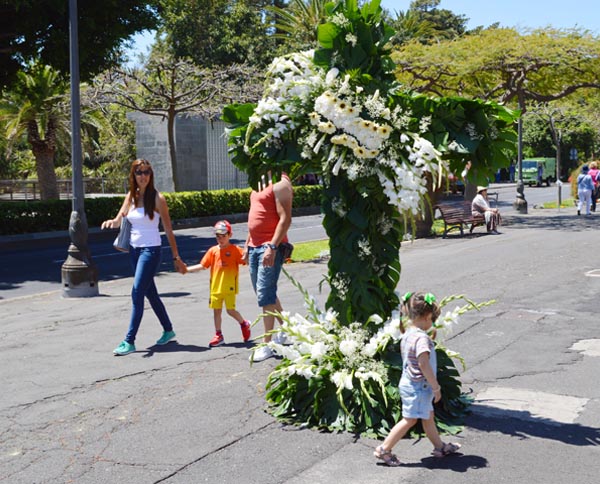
x=315 y=249
x=569 y=202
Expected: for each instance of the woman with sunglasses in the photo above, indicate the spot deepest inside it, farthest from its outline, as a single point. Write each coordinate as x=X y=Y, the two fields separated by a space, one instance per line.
x=144 y=207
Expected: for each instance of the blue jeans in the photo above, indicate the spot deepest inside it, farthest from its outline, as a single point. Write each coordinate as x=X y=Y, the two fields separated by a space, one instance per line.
x=264 y=279
x=145 y=262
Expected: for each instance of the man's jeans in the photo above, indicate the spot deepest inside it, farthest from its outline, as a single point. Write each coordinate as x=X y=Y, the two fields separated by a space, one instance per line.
x=264 y=279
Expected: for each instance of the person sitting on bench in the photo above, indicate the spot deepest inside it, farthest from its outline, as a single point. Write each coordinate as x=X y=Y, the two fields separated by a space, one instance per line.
x=481 y=206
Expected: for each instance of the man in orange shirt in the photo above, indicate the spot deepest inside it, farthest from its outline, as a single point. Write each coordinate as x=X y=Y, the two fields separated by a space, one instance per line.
x=223 y=260
x=269 y=219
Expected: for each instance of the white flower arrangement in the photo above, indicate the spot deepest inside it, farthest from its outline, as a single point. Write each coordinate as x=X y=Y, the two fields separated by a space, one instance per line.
x=349 y=129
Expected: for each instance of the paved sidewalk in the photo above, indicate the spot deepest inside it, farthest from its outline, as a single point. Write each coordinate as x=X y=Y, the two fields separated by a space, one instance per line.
x=70 y=412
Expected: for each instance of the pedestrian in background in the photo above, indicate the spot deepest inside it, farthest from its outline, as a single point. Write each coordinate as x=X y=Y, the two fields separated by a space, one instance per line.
x=269 y=219
x=594 y=173
x=585 y=187
x=224 y=261
x=144 y=207
x=419 y=387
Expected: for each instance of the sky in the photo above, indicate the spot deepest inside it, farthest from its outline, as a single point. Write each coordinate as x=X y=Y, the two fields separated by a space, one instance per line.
x=521 y=14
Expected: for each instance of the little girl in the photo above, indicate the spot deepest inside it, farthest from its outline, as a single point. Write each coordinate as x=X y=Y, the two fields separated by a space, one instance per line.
x=418 y=385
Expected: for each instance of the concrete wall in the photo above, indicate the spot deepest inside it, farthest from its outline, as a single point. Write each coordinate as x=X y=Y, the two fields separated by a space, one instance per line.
x=201 y=148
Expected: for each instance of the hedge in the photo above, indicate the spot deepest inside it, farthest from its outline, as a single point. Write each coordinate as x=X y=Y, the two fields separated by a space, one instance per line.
x=18 y=217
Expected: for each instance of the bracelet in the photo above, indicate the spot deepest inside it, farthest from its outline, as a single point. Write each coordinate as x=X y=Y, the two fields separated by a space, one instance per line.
x=177 y=258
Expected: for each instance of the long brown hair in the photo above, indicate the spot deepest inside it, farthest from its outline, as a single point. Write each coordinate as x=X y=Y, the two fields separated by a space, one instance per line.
x=149 y=193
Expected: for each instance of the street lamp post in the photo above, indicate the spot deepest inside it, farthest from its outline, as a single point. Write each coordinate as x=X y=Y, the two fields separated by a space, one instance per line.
x=79 y=273
x=520 y=204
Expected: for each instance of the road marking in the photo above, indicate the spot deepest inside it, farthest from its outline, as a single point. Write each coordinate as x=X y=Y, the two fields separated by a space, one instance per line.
x=589 y=347
x=529 y=405
x=593 y=273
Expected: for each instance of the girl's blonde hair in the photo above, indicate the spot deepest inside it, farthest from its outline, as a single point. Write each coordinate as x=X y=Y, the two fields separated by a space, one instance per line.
x=594 y=164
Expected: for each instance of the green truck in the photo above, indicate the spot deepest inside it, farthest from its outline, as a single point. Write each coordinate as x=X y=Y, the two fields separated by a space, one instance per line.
x=539 y=170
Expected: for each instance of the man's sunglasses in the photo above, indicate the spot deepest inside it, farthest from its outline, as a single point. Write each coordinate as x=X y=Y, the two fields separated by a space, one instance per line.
x=142 y=172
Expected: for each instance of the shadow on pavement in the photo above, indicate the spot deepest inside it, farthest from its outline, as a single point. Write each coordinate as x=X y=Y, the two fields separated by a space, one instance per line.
x=172 y=347
x=523 y=424
x=566 y=222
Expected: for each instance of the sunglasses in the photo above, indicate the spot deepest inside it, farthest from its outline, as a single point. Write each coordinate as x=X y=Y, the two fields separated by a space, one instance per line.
x=220 y=235
x=142 y=172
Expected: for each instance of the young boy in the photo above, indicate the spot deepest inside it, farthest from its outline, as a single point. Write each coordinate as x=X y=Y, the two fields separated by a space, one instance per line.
x=223 y=260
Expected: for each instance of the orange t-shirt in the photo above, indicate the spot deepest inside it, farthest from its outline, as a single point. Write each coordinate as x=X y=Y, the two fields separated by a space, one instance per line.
x=262 y=217
x=224 y=268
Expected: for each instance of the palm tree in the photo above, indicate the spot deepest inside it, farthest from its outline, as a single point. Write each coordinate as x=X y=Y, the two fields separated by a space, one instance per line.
x=37 y=106
x=297 y=22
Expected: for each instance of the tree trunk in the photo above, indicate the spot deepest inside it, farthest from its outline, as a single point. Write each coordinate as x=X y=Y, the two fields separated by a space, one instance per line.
x=43 y=151
x=172 y=148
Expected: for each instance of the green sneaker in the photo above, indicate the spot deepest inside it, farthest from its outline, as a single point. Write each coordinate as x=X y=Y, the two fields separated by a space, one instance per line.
x=166 y=337
x=124 y=349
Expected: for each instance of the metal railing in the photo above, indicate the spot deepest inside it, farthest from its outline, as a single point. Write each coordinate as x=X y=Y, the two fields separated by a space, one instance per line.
x=29 y=189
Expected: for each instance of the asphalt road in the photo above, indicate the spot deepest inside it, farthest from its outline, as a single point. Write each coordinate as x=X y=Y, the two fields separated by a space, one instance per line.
x=35 y=269
x=183 y=413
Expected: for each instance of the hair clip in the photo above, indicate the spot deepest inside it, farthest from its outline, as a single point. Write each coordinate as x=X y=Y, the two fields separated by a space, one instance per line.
x=429 y=298
x=406 y=297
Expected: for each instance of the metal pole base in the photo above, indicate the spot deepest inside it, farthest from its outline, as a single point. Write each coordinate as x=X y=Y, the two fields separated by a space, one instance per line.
x=520 y=204
x=79 y=278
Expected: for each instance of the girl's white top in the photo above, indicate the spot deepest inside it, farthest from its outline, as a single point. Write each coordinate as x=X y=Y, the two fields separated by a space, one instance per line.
x=144 y=232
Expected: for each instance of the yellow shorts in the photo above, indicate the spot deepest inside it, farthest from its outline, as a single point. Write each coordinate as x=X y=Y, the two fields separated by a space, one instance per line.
x=216 y=301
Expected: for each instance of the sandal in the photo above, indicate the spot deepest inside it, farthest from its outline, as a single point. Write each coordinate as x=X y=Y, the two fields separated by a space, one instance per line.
x=387 y=457
x=447 y=449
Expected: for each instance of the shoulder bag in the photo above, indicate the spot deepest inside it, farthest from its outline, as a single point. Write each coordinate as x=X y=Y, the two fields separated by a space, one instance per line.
x=121 y=243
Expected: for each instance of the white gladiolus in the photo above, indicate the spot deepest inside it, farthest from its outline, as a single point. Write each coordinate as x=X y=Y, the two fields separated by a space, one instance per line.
x=342 y=379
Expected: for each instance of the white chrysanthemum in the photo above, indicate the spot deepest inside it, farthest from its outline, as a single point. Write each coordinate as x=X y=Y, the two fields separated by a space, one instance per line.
x=318 y=350
x=370 y=349
x=348 y=347
x=351 y=39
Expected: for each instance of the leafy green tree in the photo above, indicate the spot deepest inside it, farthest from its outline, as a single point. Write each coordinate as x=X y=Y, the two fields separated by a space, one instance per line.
x=552 y=130
x=446 y=24
x=37 y=107
x=167 y=87
x=504 y=65
x=219 y=32
x=39 y=29
x=409 y=26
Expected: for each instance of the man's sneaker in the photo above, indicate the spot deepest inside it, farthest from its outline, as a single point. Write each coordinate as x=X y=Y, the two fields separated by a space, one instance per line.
x=261 y=354
x=166 y=337
x=217 y=340
x=124 y=349
x=245 y=326
x=281 y=338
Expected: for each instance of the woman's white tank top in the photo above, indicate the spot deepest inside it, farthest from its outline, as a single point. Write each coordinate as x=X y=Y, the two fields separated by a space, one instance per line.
x=144 y=232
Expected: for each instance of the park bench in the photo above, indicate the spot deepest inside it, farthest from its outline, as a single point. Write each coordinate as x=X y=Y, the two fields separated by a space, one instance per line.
x=456 y=215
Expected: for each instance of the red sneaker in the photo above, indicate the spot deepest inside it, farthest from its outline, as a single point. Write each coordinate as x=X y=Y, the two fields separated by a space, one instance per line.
x=217 y=340
x=245 y=330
